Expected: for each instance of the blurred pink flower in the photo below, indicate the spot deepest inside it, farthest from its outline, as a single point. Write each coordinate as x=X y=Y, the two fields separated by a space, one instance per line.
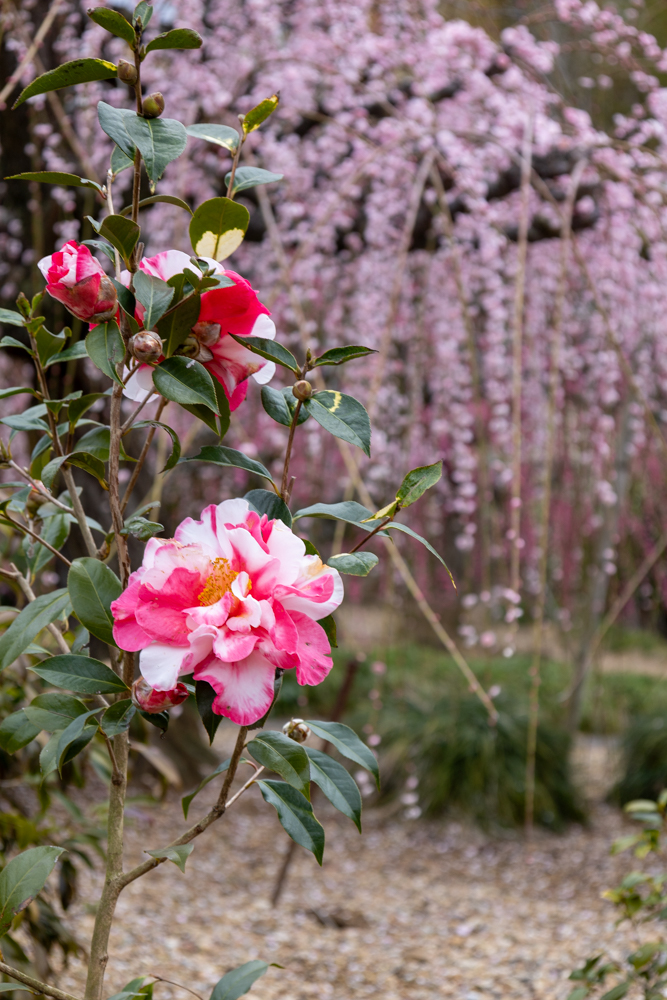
x=230 y=598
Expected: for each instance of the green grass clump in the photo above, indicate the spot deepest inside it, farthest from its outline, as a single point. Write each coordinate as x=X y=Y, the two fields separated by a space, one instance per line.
x=644 y=750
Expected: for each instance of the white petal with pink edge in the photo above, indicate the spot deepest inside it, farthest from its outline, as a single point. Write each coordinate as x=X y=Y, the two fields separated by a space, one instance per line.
x=161 y=665
x=244 y=689
x=307 y=593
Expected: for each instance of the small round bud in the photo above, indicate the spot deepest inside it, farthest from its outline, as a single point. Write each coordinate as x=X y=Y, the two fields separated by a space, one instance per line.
x=35 y=500
x=302 y=389
x=127 y=73
x=297 y=730
x=145 y=346
x=207 y=334
x=149 y=700
x=153 y=105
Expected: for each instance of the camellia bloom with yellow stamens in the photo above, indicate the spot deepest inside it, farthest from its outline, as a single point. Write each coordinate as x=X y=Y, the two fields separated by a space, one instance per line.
x=229 y=599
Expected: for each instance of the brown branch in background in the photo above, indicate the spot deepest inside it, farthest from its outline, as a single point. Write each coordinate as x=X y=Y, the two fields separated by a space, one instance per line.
x=14 y=574
x=517 y=355
x=33 y=534
x=414 y=202
x=30 y=52
x=288 y=452
x=554 y=380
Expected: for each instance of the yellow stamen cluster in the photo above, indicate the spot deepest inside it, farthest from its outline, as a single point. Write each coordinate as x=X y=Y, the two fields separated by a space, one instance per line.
x=219 y=582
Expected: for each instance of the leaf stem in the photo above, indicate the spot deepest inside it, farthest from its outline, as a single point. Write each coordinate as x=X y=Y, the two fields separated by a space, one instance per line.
x=368 y=537
x=235 y=163
x=288 y=453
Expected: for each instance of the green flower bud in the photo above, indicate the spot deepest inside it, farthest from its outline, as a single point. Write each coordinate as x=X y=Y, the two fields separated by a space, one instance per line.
x=302 y=390
x=127 y=72
x=153 y=105
x=145 y=346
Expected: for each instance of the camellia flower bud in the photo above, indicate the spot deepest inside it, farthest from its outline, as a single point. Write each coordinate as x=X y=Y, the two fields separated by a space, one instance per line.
x=149 y=700
x=145 y=346
x=297 y=730
x=153 y=105
x=302 y=389
x=127 y=73
x=207 y=334
x=106 y=294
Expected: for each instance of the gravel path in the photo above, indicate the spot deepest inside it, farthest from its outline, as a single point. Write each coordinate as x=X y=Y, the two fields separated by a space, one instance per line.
x=409 y=910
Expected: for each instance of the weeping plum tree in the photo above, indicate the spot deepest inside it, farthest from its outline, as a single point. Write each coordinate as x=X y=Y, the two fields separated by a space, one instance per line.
x=236 y=597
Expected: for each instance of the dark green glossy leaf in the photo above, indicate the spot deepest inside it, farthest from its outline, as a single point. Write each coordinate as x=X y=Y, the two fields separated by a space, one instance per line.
x=16 y=731
x=354 y=563
x=205 y=696
x=113 y=22
x=143 y=12
x=74 y=738
x=221 y=135
x=155 y=296
x=78 y=407
x=58 y=177
x=185 y=381
x=101 y=247
x=280 y=405
x=73 y=353
x=217 y=454
x=295 y=814
x=81 y=674
x=68 y=75
x=29 y=623
x=269 y=349
x=259 y=113
x=413 y=534
x=122 y=233
x=49 y=344
x=417 y=482
x=81 y=460
x=119 y=160
x=339 y=355
x=348 y=743
x=22 y=878
x=159 y=140
x=177 y=325
x=269 y=503
x=218 y=227
x=250 y=177
x=106 y=348
x=286 y=757
x=117 y=717
x=141 y=527
x=112 y=121
x=177 y=38
x=54 y=712
x=175 y=443
x=337 y=784
x=329 y=626
x=343 y=416
x=92 y=587
x=347 y=510
x=158 y=719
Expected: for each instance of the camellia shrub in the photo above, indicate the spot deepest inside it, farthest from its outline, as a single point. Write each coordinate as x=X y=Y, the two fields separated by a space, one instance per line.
x=237 y=596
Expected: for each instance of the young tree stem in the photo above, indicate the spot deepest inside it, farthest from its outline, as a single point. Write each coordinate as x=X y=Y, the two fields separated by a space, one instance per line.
x=370 y=534
x=35 y=984
x=288 y=453
x=142 y=458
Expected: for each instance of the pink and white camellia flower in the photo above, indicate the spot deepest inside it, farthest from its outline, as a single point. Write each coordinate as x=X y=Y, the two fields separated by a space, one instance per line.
x=234 y=309
x=76 y=279
x=229 y=599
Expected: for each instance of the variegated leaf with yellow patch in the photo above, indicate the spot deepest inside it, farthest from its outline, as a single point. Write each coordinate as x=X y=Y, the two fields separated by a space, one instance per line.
x=218 y=227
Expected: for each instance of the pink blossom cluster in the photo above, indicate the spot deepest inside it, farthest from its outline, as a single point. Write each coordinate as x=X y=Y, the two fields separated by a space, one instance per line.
x=368 y=92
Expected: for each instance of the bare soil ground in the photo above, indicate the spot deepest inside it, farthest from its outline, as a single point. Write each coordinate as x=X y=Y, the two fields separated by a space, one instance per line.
x=408 y=911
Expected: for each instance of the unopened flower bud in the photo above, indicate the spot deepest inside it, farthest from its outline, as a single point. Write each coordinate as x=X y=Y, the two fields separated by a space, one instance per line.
x=127 y=73
x=106 y=305
x=35 y=500
x=150 y=700
x=190 y=347
x=297 y=730
x=207 y=334
x=153 y=105
x=302 y=390
x=145 y=346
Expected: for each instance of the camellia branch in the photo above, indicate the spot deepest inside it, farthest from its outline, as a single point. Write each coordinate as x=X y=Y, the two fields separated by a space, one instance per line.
x=288 y=452
x=368 y=537
x=14 y=574
x=142 y=456
x=38 y=538
x=35 y=984
x=215 y=813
